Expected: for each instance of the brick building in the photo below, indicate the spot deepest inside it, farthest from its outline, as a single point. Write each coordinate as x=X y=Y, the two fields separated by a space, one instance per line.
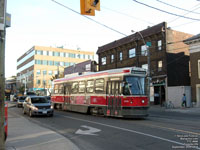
x=169 y=57
x=86 y=66
x=194 y=43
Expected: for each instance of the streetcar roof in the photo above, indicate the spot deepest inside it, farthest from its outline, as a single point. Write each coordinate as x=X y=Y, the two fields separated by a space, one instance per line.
x=119 y=71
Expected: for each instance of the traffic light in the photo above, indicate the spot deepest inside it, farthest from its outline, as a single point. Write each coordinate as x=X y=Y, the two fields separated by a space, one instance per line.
x=95 y=4
x=88 y=7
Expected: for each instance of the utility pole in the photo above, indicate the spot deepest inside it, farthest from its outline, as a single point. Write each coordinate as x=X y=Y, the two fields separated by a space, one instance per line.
x=147 y=45
x=2 y=71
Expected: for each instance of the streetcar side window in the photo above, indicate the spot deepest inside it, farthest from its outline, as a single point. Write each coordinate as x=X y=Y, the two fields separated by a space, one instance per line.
x=61 y=90
x=81 y=86
x=56 y=89
x=109 y=88
x=74 y=87
x=90 y=86
x=113 y=88
x=99 y=85
x=117 y=88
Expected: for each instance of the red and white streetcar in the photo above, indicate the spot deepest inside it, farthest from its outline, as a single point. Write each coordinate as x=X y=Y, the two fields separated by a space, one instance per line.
x=117 y=92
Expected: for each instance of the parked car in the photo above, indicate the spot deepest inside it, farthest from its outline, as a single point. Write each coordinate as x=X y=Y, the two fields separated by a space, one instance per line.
x=48 y=98
x=20 y=101
x=37 y=105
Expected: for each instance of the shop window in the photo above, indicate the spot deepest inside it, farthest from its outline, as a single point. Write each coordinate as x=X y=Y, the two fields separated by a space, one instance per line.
x=160 y=65
x=160 y=45
x=103 y=61
x=131 y=53
x=144 y=50
x=112 y=57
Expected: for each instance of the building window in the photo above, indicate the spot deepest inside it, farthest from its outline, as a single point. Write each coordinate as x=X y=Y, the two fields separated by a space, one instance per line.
x=132 y=53
x=78 y=56
x=145 y=66
x=45 y=53
x=49 y=82
x=71 y=55
x=56 y=54
x=38 y=72
x=38 y=52
x=56 y=63
x=62 y=63
x=38 y=62
x=112 y=57
x=44 y=72
x=50 y=53
x=144 y=50
x=38 y=82
x=45 y=62
x=160 y=65
x=103 y=61
x=160 y=45
x=67 y=64
x=50 y=72
x=62 y=54
x=120 y=56
x=199 y=68
x=51 y=63
x=44 y=83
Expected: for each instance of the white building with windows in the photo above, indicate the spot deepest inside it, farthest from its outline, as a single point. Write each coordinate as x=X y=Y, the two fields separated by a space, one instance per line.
x=38 y=65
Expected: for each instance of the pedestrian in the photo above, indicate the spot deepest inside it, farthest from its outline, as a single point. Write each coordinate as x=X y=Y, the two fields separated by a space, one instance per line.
x=184 y=101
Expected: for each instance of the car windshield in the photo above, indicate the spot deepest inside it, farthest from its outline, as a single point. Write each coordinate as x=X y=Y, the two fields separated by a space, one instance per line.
x=134 y=85
x=39 y=100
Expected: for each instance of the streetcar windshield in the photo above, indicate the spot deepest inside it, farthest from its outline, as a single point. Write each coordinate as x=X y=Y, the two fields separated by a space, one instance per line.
x=134 y=85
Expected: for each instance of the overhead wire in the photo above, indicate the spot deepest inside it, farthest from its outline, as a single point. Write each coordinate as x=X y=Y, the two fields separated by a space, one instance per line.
x=89 y=18
x=166 y=11
x=185 y=13
x=177 y=7
x=128 y=15
x=184 y=24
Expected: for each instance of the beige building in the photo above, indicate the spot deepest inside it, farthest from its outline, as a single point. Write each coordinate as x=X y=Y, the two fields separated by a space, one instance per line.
x=38 y=65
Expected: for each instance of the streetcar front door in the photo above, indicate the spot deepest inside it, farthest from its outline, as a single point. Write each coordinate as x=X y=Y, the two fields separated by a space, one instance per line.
x=113 y=98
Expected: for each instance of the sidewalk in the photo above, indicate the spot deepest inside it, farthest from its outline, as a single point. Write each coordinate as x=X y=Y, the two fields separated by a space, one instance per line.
x=189 y=110
x=25 y=135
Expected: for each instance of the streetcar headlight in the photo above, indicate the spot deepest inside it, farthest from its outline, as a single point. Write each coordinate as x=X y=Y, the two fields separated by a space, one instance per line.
x=51 y=107
x=143 y=101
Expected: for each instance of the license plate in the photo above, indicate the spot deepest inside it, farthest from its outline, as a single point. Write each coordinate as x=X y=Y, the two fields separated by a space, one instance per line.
x=44 y=112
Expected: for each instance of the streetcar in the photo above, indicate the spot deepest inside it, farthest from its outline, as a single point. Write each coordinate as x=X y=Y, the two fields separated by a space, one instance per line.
x=116 y=92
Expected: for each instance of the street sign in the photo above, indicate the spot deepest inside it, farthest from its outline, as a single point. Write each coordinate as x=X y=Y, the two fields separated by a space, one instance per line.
x=148 y=44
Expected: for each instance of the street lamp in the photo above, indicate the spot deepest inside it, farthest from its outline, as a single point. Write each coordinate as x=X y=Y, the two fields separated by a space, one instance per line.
x=147 y=45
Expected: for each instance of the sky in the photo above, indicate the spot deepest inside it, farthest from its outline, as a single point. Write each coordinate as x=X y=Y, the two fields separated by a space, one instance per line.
x=45 y=23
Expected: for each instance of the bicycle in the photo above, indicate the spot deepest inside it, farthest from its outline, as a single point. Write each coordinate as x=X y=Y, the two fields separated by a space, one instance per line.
x=169 y=105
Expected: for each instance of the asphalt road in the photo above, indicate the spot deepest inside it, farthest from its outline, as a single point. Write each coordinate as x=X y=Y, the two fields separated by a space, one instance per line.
x=159 y=131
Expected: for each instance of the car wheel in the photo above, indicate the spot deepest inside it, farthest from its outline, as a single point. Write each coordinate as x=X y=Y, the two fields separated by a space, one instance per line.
x=24 y=112
x=30 y=113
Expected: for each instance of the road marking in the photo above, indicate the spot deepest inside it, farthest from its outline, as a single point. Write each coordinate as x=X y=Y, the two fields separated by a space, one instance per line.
x=90 y=131
x=128 y=130
x=178 y=130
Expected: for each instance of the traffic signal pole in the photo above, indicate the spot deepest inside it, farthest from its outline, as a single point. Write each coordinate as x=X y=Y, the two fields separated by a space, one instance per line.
x=2 y=71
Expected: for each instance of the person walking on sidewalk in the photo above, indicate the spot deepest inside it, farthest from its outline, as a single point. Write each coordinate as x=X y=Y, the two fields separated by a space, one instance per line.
x=184 y=101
